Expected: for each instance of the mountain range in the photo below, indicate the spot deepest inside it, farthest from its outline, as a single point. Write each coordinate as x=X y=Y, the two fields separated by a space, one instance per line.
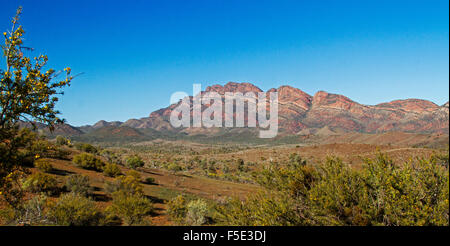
x=300 y=114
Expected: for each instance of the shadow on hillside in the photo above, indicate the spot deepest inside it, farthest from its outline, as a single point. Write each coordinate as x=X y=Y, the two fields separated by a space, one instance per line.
x=61 y=172
x=156 y=212
x=100 y=197
x=155 y=199
x=150 y=172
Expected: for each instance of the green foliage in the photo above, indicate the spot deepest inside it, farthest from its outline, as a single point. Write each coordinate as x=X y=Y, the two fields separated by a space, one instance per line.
x=78 y=184
x=196 y=212
x=149 y=180
x=41 y=182
x=14 y=145
x=73 y=209
x=112 y=156
x=135 y=162
x=88 y=161
x=176 y=209
x=131 y=208
x=173 y=167
x=333 y=193
x=27 y=92
x=31 y=212
x=240 y=165
x=85 y=147
x=34 y=212
x=60 y=140
x=130 y=184
x=43 y=165
x=111 y=170
x=43 y=148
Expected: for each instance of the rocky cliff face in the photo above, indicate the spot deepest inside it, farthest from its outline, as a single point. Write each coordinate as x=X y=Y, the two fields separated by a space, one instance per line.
x=301 y=113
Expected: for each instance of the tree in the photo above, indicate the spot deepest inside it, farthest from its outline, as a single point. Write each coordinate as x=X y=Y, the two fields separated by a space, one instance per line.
x=135 y=162
x=27 y=93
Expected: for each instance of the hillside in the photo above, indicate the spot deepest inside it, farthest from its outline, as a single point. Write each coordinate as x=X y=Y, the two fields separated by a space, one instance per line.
x=300 y=114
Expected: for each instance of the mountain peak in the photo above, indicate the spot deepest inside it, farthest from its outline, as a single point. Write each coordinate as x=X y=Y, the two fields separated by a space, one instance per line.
x=289 y=94
x=411 y=105
x=233 y=87
x=323 y=98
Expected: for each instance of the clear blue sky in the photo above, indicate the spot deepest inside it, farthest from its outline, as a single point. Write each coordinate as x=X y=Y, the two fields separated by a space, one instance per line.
x=135 y=54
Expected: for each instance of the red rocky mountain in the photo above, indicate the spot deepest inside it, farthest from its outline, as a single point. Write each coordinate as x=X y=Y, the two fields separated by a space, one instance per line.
x=324 y=113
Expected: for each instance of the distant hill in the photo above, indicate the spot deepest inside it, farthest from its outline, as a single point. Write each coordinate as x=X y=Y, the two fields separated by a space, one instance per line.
x=300 y=114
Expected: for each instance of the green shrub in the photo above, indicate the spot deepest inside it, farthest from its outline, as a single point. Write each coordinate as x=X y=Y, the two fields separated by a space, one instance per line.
x=85 y=147
x=176 y=209
x=149 y=180
x=78 y=184
x=75 y=210
x=60 y=140
x=131 y=208
x=134 y=162
x=111 y=170
x=35 y=211
x=130 y=184
x=333 y=193
x=88 y=161
x=196 y=212
x=43 y=166
x=174 y=167
x=41 y=182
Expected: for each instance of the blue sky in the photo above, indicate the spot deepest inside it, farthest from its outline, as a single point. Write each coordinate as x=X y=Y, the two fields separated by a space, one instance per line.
x=135 y=54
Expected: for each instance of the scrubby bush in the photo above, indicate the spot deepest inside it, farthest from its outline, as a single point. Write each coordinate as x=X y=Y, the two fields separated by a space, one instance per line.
x=34 y=211
x=31 y=212
x=112 y=156
x=333 y=193
x=41 y=182
x=75 y=210
x=111 y=170
x=78 y=184
x=149 y=180
x=131 y=208
x=60 y=140
x=85 y=147
x=196 y=212
x=88 y=161
x=174 y=167
x=130 y=184
x=43 y=166
x=42 y=148
x=176 y=209
x=135 y=162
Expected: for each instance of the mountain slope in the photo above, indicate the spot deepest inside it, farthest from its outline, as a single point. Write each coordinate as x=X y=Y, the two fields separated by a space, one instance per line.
x=299 y=114
x=299 y=111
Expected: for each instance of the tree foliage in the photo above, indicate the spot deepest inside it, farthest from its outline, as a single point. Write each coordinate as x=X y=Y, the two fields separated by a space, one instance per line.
x=333 y=193
x=26 y=91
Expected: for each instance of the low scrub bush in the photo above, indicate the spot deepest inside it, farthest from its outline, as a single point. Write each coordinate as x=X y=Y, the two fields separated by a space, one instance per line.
x=149 y=180
x=111 y=170
x=131 y=208
x=60 y=140
x=78 y=184
x=88 y=161
x=333 y=193
x=43 y=166
x=85 y=147
x=196 y=212
x=41 y=182
x=130 y=184
x=73 y=209
x=176 y=209
x=134 y=162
